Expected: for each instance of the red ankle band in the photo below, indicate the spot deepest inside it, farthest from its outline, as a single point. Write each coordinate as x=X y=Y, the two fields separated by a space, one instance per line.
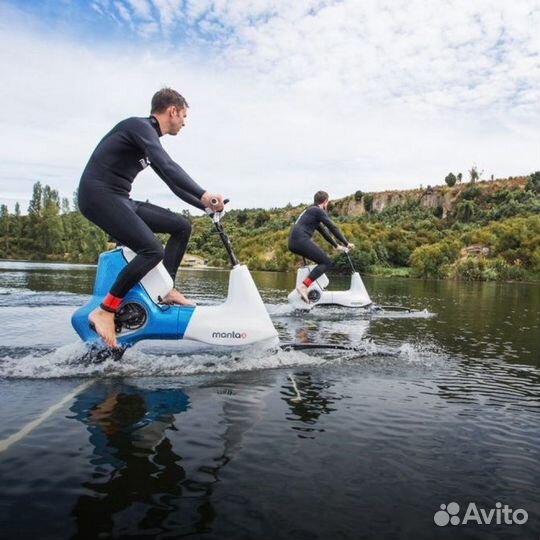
x=307 y=282
x=111 y=303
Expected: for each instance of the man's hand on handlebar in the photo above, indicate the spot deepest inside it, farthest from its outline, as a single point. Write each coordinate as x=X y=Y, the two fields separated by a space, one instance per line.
x=213 y=202
x=346 y=248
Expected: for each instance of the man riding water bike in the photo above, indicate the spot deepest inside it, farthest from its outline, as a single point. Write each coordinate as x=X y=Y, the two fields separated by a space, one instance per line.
x=103 y=198
x=300 y=242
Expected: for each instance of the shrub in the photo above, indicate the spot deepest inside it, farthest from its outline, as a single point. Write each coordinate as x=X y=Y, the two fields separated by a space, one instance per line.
x=465 y=210
x=508 y=272
x=533 y=184
x=472 y=269
x=433 y=260
x=470 y=193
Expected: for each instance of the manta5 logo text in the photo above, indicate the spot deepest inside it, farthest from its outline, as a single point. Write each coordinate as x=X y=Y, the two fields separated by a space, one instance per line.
x=229 y=335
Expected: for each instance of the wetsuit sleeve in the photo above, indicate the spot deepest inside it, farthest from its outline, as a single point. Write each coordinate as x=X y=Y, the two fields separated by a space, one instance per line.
x=326 y=235
x=180 y=183
x=190 y=199
x=333 y=228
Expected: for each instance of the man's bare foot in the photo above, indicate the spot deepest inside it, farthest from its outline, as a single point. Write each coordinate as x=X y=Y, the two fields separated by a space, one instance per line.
x=177 y=298
x=103 y=324
x=302 y=291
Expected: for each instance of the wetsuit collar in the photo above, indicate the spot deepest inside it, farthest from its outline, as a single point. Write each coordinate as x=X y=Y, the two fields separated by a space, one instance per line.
x=155 y=124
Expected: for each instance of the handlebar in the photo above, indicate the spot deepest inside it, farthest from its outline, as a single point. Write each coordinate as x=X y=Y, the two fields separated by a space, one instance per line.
x=216 y=216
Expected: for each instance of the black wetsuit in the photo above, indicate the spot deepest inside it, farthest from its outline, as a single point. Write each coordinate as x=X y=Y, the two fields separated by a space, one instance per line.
x=300 y=242
x=103 y=198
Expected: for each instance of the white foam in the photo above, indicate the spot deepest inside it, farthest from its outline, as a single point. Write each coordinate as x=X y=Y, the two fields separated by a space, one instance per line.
x=67 y=362
x=388 y=314
x=420 y=354
x=181 y=359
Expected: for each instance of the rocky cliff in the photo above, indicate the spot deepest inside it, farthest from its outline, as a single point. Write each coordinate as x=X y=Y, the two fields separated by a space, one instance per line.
x=433 y=197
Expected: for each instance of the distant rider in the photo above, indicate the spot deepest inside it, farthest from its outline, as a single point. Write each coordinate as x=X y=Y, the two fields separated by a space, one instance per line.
x=301 y=243
x=104 y=199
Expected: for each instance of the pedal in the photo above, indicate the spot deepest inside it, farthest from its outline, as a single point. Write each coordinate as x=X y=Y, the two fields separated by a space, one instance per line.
x=131 y=316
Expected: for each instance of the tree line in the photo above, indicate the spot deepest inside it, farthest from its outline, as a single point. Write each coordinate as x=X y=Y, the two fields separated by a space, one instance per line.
x=52 y=229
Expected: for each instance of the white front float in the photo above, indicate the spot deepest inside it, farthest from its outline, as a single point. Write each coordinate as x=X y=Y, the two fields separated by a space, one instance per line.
x=357 y=296
x=241 y=320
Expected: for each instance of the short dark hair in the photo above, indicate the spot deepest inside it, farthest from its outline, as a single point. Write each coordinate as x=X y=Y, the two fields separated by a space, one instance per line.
x=320 y=197
x=166 y=97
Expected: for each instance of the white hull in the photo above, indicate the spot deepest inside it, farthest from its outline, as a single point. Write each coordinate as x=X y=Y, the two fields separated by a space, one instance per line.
x=355 y=297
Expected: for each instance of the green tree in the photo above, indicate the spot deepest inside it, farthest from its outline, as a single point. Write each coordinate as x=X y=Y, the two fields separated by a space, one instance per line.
x=241 y=217
x=76 y=200
x=358 y=196
x=474 y=175
x=33 y=236
x=34 y=207
x=450 y=179
x=52 y=229
x=17 y=226
x=65 y=205
x=261 y=218
x=4 y=227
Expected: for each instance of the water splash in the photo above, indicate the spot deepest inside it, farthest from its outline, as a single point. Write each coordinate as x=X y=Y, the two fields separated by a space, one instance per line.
x=183 y=359
x=323 y=312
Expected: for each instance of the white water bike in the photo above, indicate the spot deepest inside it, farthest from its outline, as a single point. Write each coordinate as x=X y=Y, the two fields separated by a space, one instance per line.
x=319 y=294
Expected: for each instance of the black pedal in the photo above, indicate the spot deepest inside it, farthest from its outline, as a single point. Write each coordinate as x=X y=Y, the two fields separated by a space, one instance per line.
x=314 y=295
x=130 y=316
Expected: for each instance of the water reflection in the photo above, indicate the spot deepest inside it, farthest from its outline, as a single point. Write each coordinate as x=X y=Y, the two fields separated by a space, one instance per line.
x=134 y=461
x=497 y=321
x=45 y=277
x=146 y=475
x=308 y=399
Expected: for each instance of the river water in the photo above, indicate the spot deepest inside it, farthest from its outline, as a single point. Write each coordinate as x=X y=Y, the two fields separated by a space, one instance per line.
x=435 y=407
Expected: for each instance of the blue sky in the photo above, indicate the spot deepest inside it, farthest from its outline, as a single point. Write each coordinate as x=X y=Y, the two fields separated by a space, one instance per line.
x=285 y=97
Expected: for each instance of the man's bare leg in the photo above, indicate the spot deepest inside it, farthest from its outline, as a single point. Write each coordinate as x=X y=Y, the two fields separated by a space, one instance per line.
x=303 y=292
x=177 y=298
x=103 y=322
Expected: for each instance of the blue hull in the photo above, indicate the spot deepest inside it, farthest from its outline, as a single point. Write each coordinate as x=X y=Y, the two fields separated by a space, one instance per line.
x=162 y=322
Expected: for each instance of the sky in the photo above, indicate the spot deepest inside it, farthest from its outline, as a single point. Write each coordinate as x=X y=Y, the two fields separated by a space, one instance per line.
x=286 y=97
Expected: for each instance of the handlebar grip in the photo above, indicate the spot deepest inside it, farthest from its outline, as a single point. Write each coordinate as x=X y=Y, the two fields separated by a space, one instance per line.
x=214 y=201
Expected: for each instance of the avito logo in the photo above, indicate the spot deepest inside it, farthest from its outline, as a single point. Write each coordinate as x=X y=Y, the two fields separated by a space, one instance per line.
x=500 y=515
x=229 y=335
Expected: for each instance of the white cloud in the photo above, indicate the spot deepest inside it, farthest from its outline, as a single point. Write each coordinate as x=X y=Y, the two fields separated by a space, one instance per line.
x=169 y=12
x=141 y=8
x=295 y=97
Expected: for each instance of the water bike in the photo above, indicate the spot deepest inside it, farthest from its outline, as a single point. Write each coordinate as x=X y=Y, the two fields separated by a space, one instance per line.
x=354 y=297
x=242 y=319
